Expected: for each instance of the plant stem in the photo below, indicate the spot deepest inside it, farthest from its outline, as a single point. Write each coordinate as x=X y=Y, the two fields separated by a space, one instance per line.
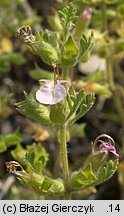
x=110 y=73
x=58 y=161
x=65 y=73
x=64 y=160
x=104 y=18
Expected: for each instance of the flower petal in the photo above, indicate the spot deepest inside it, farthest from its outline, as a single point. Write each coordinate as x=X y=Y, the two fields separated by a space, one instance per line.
x=44 y=80
x=107 y=147
x=61 y=81
x=58 y=93
x=87 y=13
x=51 y=94
x=44 y=95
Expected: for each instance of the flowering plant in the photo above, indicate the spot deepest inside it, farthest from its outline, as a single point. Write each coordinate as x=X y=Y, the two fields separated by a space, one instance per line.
x=59 y=105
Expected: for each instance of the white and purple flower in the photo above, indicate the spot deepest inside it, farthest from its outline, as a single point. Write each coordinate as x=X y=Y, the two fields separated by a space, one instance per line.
x=51 y=94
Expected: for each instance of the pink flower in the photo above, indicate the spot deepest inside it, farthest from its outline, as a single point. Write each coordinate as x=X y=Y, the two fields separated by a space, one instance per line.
x=51 y=94
x=87 y=13
x=107 y=147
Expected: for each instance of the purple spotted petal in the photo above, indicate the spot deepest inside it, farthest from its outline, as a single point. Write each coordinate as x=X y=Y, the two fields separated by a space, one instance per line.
x=51 y=94
x=107 y=147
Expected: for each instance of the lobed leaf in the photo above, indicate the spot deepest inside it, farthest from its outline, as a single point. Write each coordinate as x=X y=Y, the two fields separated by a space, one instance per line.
x=82 y=103
x=86 y=44
x=35 y=111
x=88 y=176
x=36 y=158
x=68 y=16
x=77 y=101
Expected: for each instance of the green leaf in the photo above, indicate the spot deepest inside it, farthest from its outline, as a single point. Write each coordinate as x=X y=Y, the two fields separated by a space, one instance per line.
x=46 y=51
x=55 y=22
x=40 y=152
x=111 y=168
x=82 y=103
x=38 y=35
x=102 y=174
x=47 y=183
x=45 y=45
x=41 y=184
x=39 y=73
x=51 y=38
x=35 y=111
x=13 y=138
x=85 y=107
x=68 y=16
x=86 y=44
x=56 y=186
x=19 y=154
x=57 y=113
x=77 y=101
x=9 y=140
x=16 y=58
x=102 y=90
x=36 y=157
x=38 y=166
x=95 y=171
x=83 y=177
x=69 y=52
x=3 y=146
x=30 y=157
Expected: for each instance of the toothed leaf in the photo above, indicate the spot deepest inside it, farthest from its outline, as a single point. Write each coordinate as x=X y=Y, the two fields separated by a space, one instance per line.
x=35 y=111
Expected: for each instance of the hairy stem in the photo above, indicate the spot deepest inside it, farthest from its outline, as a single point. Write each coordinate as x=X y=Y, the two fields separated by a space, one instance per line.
x=58 y=161
x=64 y=160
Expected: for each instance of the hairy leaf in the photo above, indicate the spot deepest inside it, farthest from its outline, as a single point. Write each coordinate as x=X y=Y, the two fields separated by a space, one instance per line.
x=42 y=184
x=85 y=107
x=35 y=111
x=69 y=52
x=81 y=104
x=68 y=16
x=19 y=154
x=94 y=172
x=86 y=44
x=36 y=157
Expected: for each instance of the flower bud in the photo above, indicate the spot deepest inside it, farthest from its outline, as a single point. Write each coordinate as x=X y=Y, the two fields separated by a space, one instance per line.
x=38 y=45
x=46 y=51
